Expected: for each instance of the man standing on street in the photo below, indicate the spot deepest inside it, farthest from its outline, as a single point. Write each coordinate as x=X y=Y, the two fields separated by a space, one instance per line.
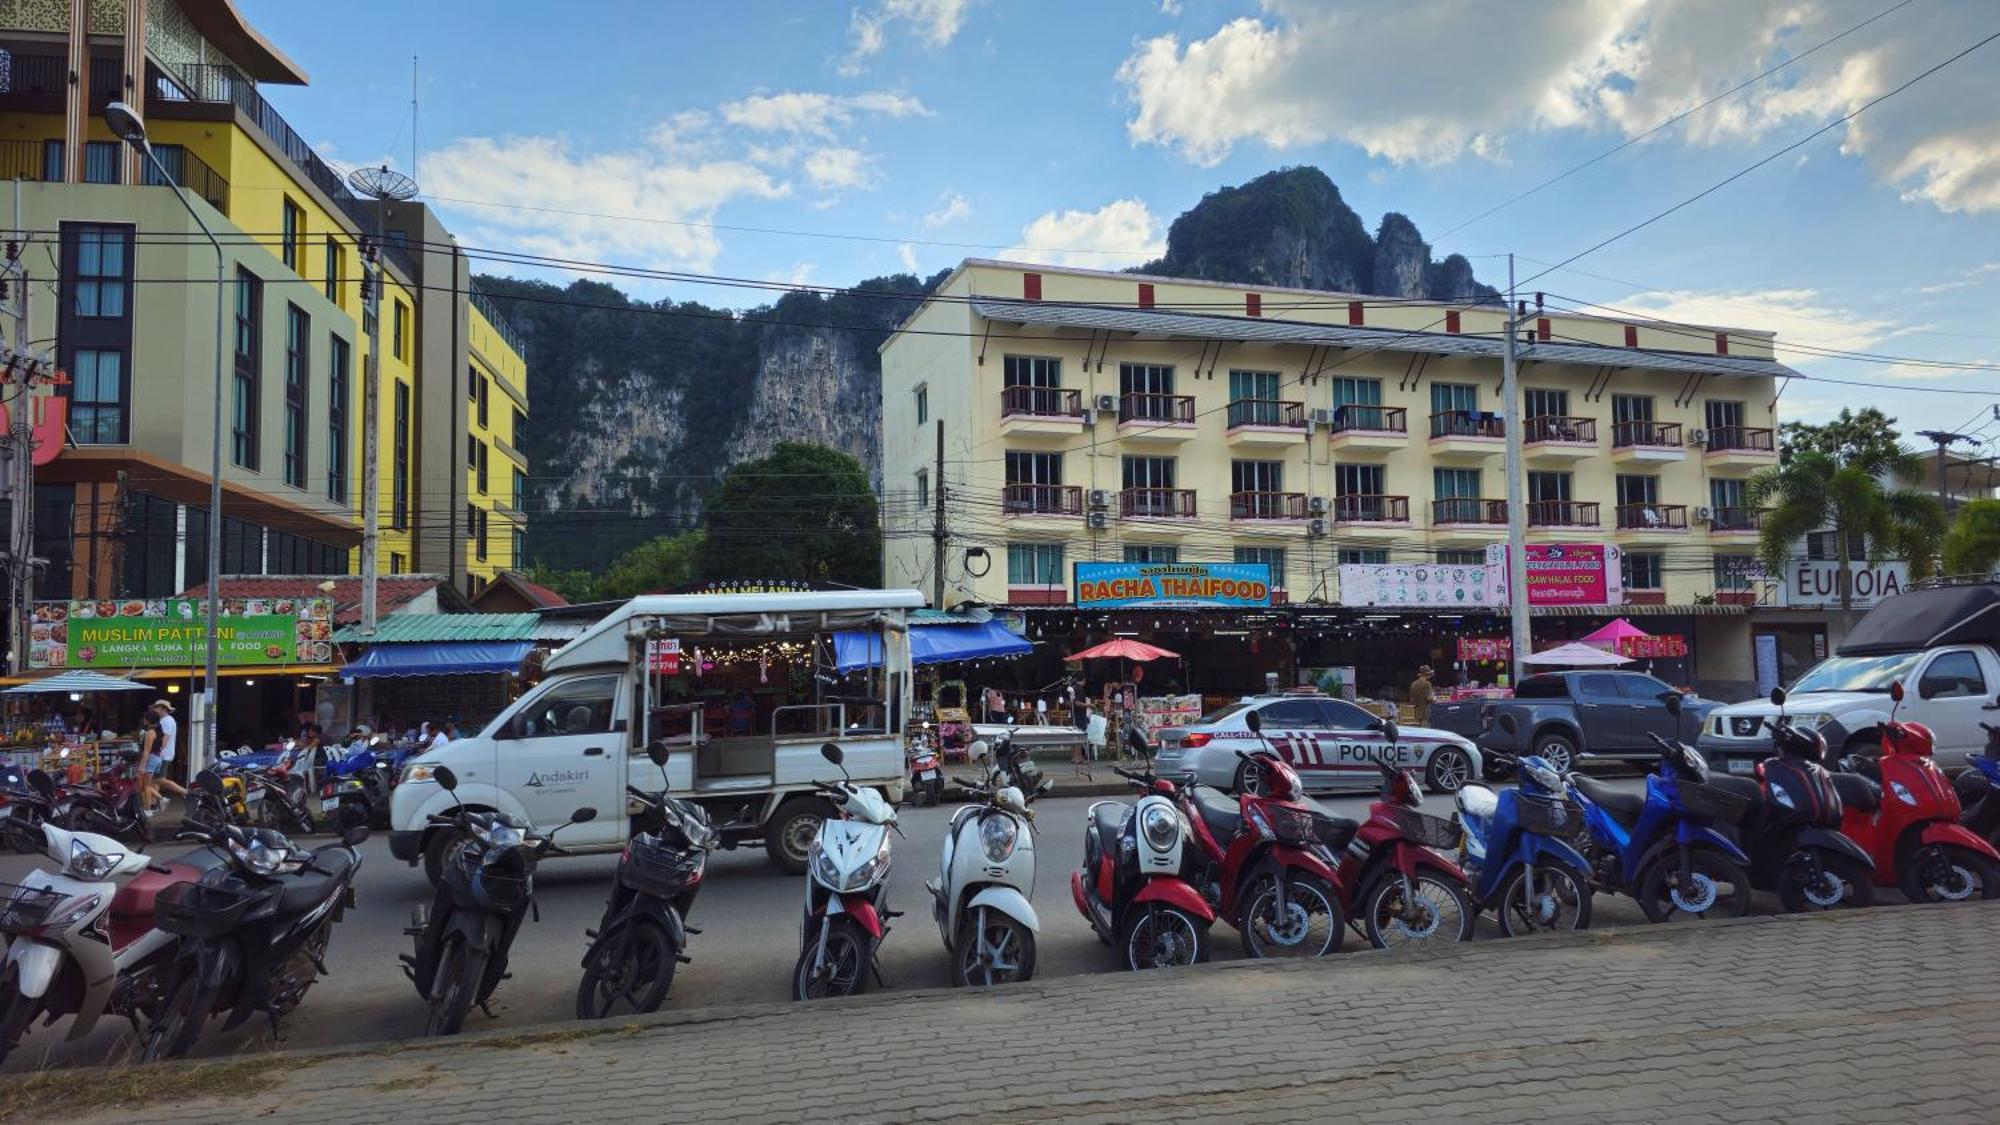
x=1421 y=694
x=169 y=745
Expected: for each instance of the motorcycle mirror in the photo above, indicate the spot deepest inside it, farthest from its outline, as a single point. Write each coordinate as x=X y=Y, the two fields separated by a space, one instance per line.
x=447 y=780
x=1390 y=731
x=210 y=782
x=1778 y=696
x=583 y=815
x=1672 y=701
x=1896 y=691
x=1254 y=722
x=42 y=784
x=979 y=750
x=349 y=818
x=1509 y=724
x=832 y=753
x=656 y=751
x=354 y=836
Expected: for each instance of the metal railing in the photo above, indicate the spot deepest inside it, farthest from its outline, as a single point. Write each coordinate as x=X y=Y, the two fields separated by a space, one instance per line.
x=1463 y=509
x=1753 y=438
x=191 y=172
x=1652 y=517
x=1156 y=408
x=1046 y=402
x=1559 y=427
x=1266 y=412
x=1042 y=499
x=24 y=160
x=37 y=76
x=1562 y=513
x=1625 y=435
x=1365 y=508
x=1380 y=419
x=1157 y=503
x=1267 y=505
x=491 y=312
x=1736 y=519
x=1467 y=423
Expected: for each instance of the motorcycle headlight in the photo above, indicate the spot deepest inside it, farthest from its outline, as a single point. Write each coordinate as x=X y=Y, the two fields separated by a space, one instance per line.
x=499 y=836
x=997 y=835
x=823 y=868
x=1779 y=794
x=1545 y=777
x=260 y=858
x=418 y=773
x=1259 y=822
x=1160 y=827
x=1902 y=793
x=87 y=864
x=77 y=913
x=867 y=873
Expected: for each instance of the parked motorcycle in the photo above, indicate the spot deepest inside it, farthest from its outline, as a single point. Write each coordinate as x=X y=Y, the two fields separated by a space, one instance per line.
x=926 y=768
x=638 y=943
x=109 y=805
x=1395 y=878
x=986 y=876
x=1518 y=850
x=1978 y=788
x=1663 y=848
x=1138 y=883
x=1792 y=832
x=62 y=959
x=1916 y=840
x=847 y=885
x=31 y=801
x=488 y=887
x=277 y=797
x=360 y=781
x=254 y=929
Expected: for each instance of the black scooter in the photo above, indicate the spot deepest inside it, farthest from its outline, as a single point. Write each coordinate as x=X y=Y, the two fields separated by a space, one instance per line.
x=31 y=801
x=637 y=945
x=488 y=887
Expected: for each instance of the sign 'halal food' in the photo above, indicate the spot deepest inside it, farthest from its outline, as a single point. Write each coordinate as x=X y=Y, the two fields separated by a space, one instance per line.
x=157 y=632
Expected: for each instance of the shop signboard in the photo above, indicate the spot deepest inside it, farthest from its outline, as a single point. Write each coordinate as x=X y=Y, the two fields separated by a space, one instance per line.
x=1810 y=582
x=1120 y=585
x=1558 y=574
x=1563 y=574
x=171 y=632
x=663 y=657
x=1416 y=585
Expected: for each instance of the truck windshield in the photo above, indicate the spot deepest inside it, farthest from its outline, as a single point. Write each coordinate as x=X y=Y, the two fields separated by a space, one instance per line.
x=1857 y=673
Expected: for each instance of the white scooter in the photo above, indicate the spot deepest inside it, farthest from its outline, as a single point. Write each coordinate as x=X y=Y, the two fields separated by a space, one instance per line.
x=986 y=875
x=847 y=881
x=62 y=956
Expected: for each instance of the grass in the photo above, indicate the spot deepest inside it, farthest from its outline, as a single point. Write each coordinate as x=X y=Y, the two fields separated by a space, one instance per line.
x=50 y=1094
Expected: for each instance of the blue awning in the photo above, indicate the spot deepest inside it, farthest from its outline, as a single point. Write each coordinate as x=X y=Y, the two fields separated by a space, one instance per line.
x=441 y=658
x=930 y=644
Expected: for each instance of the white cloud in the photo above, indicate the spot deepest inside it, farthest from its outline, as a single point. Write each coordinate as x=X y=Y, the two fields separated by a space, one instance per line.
x=837 y=168
x=1798 y=316
x=1170 y=8
x=907 y=254
x=1118 y=234
x=935 y=23
x=816 y=114
x=1963 y=278
x=798 y=273
x=951 y=208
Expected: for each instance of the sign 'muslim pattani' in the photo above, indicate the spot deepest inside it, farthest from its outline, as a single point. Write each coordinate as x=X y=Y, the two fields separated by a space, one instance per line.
x=154 y=633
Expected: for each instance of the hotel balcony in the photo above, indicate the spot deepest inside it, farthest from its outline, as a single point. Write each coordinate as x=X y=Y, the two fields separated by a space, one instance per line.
x=1057 y=502
x=1372 y=429
x=1467 y=520
x=1741 y=447
x=1646 y=442
x=1156 y=419
x=1462 y=436
x=1551 y=438
x=1736 y=523
x=1563 y=513
x=1266 y=423
x=1267 y=505
x=1041 y=411
x=1371 y=515
x=1645 y=521
x=1156 y=504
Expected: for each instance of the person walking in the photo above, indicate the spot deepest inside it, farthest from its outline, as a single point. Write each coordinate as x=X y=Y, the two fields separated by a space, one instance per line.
x=1081 y=756
x=168 y=748
x=149 y=751
x=1422 y=692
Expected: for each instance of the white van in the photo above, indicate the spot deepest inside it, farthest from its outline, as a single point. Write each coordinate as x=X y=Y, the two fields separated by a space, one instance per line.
x=578 y=738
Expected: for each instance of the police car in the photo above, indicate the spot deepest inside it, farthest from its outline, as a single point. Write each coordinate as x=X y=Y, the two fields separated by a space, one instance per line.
x=1332 y=743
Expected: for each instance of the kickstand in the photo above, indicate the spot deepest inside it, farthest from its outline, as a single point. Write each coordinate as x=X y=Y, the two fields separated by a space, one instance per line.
x=490 y=1013
x=881 y=979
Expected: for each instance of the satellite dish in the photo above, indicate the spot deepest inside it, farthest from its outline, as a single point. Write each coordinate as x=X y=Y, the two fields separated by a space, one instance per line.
x=382 y=183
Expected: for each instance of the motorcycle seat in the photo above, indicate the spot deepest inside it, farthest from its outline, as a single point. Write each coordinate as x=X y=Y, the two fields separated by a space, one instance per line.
x=1857 y=792
x=1743 y=787
x=1108 y=821
x=1971 y=785
x=1337 y=831
x=1623 y=807
x=306 y=889
x=1223 y=816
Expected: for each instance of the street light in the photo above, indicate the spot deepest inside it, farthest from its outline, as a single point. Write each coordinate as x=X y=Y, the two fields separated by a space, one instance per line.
x=131 y=128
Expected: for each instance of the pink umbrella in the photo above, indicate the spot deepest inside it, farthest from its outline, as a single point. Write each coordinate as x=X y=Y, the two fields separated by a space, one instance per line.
x=1123 y=648
x=1615 y=633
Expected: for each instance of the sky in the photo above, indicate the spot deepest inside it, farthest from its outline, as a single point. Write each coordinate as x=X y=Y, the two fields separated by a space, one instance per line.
x=824 y=143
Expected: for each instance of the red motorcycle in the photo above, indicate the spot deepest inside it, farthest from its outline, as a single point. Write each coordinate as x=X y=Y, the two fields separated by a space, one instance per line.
x=107 y=804
x=1913 y=832
x=1394 y=875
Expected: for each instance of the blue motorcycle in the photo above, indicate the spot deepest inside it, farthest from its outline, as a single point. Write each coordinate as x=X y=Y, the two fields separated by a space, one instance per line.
x=1516 y=849
x=1979 y=788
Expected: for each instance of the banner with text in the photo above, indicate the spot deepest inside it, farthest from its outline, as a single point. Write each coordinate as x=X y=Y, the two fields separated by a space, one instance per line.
x=159 y=633
x=1817 y=582
x=1116 y=585
x=1558 y=574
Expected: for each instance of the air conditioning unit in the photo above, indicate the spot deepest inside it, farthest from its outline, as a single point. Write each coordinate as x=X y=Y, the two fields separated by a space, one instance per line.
x=1100 y=498
x=1316 y=505
x=1107 y=404
x=1704 y=515
x=1089 y=417
x=1316 y=527
x=1699 y=437
x=1321 y=418
x=1098 y=521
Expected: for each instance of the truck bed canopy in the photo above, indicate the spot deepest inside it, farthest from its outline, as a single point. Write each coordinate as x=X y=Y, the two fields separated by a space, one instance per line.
x=732 y=615
x=1921 y=619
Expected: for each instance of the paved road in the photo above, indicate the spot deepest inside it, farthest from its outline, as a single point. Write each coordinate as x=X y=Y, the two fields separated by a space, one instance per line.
x=747 y=910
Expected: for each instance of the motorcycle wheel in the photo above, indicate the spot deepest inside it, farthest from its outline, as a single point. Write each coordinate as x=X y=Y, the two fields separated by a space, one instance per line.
x=16 y=1012
x=992 y=948
x=1944 y=873
x=453 y=985
x=181 y=1019
x=1559 y=901
x=846 y=963
x=634 y=965
x=1388 y=920
x=1844 y=882
x=1711 y=869
x=1164 y=937
x=1311 y=926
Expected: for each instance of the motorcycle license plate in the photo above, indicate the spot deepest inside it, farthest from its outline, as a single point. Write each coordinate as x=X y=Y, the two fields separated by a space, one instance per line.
x=329 y=804
x=928 y=775
x=1742 y=765
x=254 y=796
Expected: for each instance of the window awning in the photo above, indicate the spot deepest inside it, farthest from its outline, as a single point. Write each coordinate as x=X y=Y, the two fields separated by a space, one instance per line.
x=441 y=658
x=930 y=644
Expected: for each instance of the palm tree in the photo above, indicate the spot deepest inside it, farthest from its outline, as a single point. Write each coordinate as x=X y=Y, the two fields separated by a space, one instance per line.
x=1815 y=491
x=1972 y=546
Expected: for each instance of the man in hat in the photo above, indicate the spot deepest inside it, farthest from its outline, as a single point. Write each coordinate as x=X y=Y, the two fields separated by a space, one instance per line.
x=166 y=749
x=1421 y=693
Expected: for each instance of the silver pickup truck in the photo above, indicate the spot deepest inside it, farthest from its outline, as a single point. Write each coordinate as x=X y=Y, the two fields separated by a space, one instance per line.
x=1562 y=714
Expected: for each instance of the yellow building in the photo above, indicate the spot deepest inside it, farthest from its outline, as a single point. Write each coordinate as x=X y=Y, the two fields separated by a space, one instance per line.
x=299 y=245
x=1092 y=416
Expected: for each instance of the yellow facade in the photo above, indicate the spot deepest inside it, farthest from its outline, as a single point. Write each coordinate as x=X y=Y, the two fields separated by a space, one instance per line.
x=497 y=410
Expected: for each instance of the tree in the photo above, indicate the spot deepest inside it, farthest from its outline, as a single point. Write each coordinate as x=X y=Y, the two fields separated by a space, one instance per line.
x=653 y=566
x=576 y=585
x=1816 y=489
x=1972 y=546
x=803 y=512
x=1868 y=435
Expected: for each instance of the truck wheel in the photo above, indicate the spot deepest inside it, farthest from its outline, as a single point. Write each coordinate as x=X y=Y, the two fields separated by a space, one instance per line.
x=1557 y=750
x=788 y=838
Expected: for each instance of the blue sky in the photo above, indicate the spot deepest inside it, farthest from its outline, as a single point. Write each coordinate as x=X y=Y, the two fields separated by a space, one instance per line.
x=1081 y=130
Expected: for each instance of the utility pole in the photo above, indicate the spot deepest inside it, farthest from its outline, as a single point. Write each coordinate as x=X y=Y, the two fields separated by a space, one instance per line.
x=21 y=461
x=1944 y=440
x=1517 y=536
x=937 y=525
x=384 y=187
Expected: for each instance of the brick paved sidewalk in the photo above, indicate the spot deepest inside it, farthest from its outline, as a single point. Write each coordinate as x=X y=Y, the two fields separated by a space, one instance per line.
x=1882 y=1015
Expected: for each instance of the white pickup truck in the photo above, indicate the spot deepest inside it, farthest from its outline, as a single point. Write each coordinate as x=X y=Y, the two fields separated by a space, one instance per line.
x=579 y=737
x=1939 y=643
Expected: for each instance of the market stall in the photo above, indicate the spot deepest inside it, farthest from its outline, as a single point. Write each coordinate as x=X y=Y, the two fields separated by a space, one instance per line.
x=73 y=742
x=437 y=668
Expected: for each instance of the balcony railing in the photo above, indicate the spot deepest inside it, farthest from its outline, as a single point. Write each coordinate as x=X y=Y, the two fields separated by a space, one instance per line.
x=1559 y=427
x=1266 y=412
x=1157 y=503
x=1625 y=435
x=1156 y=408
x=189 y=171
x=1043 y=402
x=1358 y=508
x=1755 y=439
x=1381 y=419
x=491 y=312
x=1562 y=513
x=1467 y=423
x=1461 y=509
x=1042 y=500
x=1267 y=505
x=1652 y=517
x=37 y=76
x=1736 y=519
x=24 y=160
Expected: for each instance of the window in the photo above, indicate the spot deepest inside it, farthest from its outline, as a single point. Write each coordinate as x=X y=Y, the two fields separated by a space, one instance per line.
x=1599 y=685
x=1538 y=403
x=292 y=250
x=1371 y=556
x=1637 y=489
x=1257 y=476
x=480 y=516
x=518 y=433
x=1824 y=546
x=1725 y=494
x=570 y=707
x=1631 y=408
x=1034 y=468
x=1725 y=415
x=1455 y=484
x=1454 y=396
x=519 y=561
x=478 y=389
x=399 y=342
x=1952 y=675
x=244 y=430
x=298 y=345
x=100 y=162
x=399 y=502
x=242 y=547
x=1462 y=558
x=1642 y=570
x=1732 y=573
x=339 y=358
x=1546 y=487
x=1145 y=379
x=1359 y=480
x=1342 y=715
x=97 y=397
x=101 y=275
x=1641 y=688
x=1255 y=385
x=1273 y=557
x=520 y=493
x=923 y=405
x=1034 y=564
x=479 y=475
x=395 y=562
x=1357 y=392
x=149 y=547
x=1150 y=553
x=333 y=269
x=1149 y=472
x=1032 y=371
x=1293 y=714
x=923 y=488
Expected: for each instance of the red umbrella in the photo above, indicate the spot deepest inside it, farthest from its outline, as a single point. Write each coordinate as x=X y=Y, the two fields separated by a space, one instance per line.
x=1123 y=648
